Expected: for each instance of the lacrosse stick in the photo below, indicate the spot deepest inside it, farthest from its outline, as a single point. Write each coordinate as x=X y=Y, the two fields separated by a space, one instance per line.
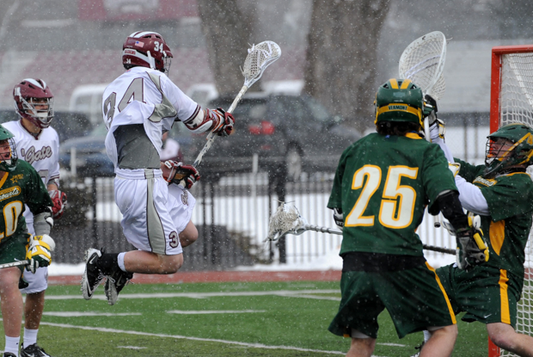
x=14 y=264
x=423 y=63
x=259 y=57
x=287 y=220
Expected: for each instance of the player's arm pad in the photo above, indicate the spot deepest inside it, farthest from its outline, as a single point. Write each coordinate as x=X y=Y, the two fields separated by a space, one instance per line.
x=43 y=223
x=449 y=205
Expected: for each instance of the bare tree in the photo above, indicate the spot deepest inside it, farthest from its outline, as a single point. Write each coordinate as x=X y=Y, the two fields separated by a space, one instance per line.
x=341 y=58
x=227 y=33
x=7 y=8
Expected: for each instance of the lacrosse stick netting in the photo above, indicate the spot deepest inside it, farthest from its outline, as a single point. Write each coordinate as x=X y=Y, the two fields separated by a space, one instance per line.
x=423 y=63
x=259 y=57
x=287 y=220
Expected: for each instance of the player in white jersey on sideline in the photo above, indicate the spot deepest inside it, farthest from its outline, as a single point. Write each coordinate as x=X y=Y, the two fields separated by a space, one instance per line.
x=38 y=144
x=138 y=107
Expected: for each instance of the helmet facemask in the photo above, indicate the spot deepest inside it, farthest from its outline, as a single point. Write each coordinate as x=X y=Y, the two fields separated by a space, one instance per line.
x=8 y=155
x=39 y=111
x=503 y=155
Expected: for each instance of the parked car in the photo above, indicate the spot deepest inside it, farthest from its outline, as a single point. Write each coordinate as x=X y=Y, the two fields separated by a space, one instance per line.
x=87 y=153
x=289 y=133
x=68 y=124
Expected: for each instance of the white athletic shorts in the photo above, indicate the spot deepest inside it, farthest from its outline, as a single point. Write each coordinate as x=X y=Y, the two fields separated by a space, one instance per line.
x=153 y=215
x=39 y=281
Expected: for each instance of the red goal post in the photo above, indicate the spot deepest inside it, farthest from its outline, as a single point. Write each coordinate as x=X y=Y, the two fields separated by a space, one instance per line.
x=511 y=101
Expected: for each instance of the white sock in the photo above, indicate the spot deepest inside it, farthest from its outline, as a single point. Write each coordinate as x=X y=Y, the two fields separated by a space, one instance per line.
x=120 y=261
x=12 y=345
x=30 y=337
x=427 y=335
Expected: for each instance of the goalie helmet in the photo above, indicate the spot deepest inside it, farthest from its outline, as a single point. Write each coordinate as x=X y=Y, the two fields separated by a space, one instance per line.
x=34 y=101
x=399 y=100
x=8 y=152
x=508 y=149
x=146 y=49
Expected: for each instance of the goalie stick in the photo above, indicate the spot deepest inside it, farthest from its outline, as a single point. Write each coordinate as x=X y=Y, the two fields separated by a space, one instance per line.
x=423 y=63
x=287 y=220
x=259 y=57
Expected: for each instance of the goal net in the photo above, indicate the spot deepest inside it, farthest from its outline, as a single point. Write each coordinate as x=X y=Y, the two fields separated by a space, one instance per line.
x=512 y=102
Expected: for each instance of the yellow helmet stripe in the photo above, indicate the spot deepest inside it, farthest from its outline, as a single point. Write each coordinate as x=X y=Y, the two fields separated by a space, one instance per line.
x=405 y=84
x=393 y=83
x=399 y=107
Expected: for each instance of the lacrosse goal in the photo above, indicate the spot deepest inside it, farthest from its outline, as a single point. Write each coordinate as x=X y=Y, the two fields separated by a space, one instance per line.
x=511 y=101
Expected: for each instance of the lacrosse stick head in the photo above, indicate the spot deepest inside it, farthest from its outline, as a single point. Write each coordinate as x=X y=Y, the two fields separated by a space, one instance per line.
x=286 y=220
x=259 y=57
x=423 y=63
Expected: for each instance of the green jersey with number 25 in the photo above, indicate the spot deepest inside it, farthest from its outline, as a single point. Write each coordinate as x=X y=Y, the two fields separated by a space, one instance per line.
x=383 y=184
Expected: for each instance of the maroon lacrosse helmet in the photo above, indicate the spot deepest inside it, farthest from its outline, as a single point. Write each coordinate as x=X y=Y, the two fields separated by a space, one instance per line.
x=34 y=101
x=146 y=49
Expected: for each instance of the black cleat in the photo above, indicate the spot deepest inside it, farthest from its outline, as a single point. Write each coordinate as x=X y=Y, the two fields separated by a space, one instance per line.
x=114 y=284
x=92 y=277
x=32 y=351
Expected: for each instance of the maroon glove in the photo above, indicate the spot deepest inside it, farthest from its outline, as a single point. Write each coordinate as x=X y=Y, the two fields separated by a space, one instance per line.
x=59 y=199
x=179 y=173
x=223 y=121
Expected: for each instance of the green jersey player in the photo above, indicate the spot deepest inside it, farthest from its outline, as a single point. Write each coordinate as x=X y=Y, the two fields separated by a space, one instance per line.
x=501 y=192
x=20 y=184
x=382 y=186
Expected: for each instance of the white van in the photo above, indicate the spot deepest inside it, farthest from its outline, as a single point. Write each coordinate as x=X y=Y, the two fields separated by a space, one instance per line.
x=88 y=99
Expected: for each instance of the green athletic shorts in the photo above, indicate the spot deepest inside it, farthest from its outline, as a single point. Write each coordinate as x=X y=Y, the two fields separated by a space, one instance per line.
x=13 y=249
x=413 y=297
x=487 y=294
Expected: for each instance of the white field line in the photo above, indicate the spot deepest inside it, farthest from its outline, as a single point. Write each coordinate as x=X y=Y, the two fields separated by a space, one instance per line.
x=203 y=312
x=88 y=313
x=285 y=293
x=137 y=333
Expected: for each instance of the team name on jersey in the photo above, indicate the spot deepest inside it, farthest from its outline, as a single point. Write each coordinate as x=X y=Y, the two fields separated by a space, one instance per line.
x=485 y=182
x=9 y=192
x=31 y=155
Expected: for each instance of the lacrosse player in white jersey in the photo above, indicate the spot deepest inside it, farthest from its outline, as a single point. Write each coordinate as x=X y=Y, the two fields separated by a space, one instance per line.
x=138 y=107
x=38 y=144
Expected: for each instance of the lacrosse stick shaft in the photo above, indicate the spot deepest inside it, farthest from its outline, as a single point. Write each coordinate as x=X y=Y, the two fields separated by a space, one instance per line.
x=310 y=227
x=211 y=136
x=14 y=264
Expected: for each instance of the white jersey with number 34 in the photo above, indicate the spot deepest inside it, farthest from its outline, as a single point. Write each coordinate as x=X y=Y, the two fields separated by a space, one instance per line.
x=144 y=96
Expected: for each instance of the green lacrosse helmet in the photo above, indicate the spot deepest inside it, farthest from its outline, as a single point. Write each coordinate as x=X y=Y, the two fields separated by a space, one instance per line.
x=8 y=160
x=500 y=159
x=399 y=100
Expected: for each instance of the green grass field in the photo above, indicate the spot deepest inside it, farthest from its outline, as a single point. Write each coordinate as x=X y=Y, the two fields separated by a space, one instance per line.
x=216 y=319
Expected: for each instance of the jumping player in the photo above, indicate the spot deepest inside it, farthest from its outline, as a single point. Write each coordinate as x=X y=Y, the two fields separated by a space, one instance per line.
x=21 y=185
x=38 y=144
x=382 y=185
x=138 y=107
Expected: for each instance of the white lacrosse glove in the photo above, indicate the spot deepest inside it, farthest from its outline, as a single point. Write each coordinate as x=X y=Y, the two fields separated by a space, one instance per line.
x=39 y=252
x=437 y=129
